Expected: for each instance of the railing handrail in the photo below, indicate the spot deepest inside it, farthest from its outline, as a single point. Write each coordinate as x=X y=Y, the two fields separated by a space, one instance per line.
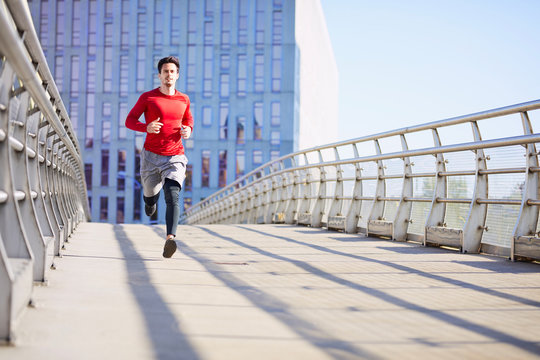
x=485 y=144
x=506 y=110
x=46 y=97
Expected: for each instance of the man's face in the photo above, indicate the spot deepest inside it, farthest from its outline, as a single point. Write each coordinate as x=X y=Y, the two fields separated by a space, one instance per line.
x=168 y=75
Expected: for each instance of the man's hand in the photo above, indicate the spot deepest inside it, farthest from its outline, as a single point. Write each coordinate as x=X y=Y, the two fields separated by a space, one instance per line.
x=154 y=127
x=185 y=131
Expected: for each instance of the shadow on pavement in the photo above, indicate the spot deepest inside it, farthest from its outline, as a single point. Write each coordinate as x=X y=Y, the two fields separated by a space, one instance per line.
x=163 y=330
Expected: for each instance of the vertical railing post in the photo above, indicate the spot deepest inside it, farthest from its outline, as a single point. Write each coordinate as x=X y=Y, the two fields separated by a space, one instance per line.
x=475 y=224
x=283 y=196
x=437 y=211
x=403 y=213
x=528 y=214
x=336 y=220
x=320 y=202
x=304 y=214
x=353 y=214
x=377 y=208
x=295 y=191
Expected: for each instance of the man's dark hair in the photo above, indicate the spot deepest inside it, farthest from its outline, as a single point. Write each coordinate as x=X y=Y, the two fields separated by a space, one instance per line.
x=166 y=60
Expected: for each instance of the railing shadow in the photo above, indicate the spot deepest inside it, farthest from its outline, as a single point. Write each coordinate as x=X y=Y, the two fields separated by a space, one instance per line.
x=275 y=307
x=494 y=334
x=163 y=329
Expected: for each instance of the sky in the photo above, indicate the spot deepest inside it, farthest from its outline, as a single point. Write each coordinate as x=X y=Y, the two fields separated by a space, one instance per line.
x=407 y=62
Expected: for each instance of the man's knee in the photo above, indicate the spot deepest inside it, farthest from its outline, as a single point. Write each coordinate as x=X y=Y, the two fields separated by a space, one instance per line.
x=172 y=191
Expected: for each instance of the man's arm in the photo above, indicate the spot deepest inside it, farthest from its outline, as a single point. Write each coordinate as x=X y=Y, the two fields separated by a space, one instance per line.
x=187 y=123
x=132 y=120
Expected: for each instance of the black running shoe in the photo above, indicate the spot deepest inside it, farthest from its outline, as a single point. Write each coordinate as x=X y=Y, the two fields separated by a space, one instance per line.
x=169 y=249
x=150 y=210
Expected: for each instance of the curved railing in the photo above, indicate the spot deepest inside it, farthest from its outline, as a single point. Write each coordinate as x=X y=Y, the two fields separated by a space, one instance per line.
x=469 y=182
x=42 y=186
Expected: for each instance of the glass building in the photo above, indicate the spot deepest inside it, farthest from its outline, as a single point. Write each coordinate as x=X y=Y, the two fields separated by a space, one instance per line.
x=260 y=75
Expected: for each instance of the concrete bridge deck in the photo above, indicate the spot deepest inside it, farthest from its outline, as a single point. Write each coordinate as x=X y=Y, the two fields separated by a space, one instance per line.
x=276 y=292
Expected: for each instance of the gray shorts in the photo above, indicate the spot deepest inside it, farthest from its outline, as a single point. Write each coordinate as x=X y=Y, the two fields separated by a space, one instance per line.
x=155 y=168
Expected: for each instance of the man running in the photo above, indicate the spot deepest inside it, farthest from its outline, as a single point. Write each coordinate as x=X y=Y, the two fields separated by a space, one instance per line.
x=163 y=163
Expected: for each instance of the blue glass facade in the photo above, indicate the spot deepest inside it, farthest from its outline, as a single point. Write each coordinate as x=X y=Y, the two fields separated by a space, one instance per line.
x=238 y=64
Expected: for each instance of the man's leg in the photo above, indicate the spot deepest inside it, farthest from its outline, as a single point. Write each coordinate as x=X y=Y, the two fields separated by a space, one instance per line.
x=150 y=204
x=171 y=188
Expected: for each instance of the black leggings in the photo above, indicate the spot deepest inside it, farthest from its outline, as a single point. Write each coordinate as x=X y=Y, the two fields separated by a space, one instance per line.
x=171 y=189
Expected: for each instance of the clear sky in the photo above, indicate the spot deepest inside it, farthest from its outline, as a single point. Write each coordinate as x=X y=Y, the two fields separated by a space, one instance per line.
x=406 y=62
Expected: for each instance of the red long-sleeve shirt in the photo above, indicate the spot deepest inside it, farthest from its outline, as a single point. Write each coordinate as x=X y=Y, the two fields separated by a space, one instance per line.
x=173 y=112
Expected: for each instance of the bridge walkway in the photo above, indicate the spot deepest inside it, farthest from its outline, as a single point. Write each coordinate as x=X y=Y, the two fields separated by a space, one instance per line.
x=276 y=292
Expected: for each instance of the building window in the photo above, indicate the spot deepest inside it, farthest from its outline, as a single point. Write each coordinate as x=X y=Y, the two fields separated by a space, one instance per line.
x=92 y=27
x=224 y=88
x=121 y=180
x=91 y=76
x=188 y=182
x=106 y=131
x=158 y=25
x=76 y=28
x=257 y=120
x=274 y=154
x=176 y=24
x=120 y=207
x=225 y=24
x=124 y=35
x=207 y=116
x=141 y=66
x=207 y=68
x=192 y=21
x=190 y=71
x=276 y=68
x=240 y=129
x=103 y=208
x=259 y=24
x=88 y=175
x=109 y=8
x=274 y=138
x=259 y=73
x=104 y=167
x=74 y=115
x=223 y=121
x=240 y=163
x=107 y=108
x=74 y=91
x=242 y=21
x=124 y=75
x=222 y=168
x=205 y=169
x=44 y=25
x=122 y=115
x=108 y=34
x=277 y=26
x=60 y=24
x=225 y=61
x=58 y=73
x=107 y=69
x=208 y=32
x=141 y=29
x=275 y=114
x=242 y=75
x=257 y=158
x=90 y=118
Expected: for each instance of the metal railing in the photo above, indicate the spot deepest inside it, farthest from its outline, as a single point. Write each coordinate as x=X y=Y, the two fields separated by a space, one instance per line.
x=42 y=187
x=469 y=182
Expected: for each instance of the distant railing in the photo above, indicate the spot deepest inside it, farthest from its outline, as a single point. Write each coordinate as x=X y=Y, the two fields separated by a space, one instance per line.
x=469 y=182
x=42 y=186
